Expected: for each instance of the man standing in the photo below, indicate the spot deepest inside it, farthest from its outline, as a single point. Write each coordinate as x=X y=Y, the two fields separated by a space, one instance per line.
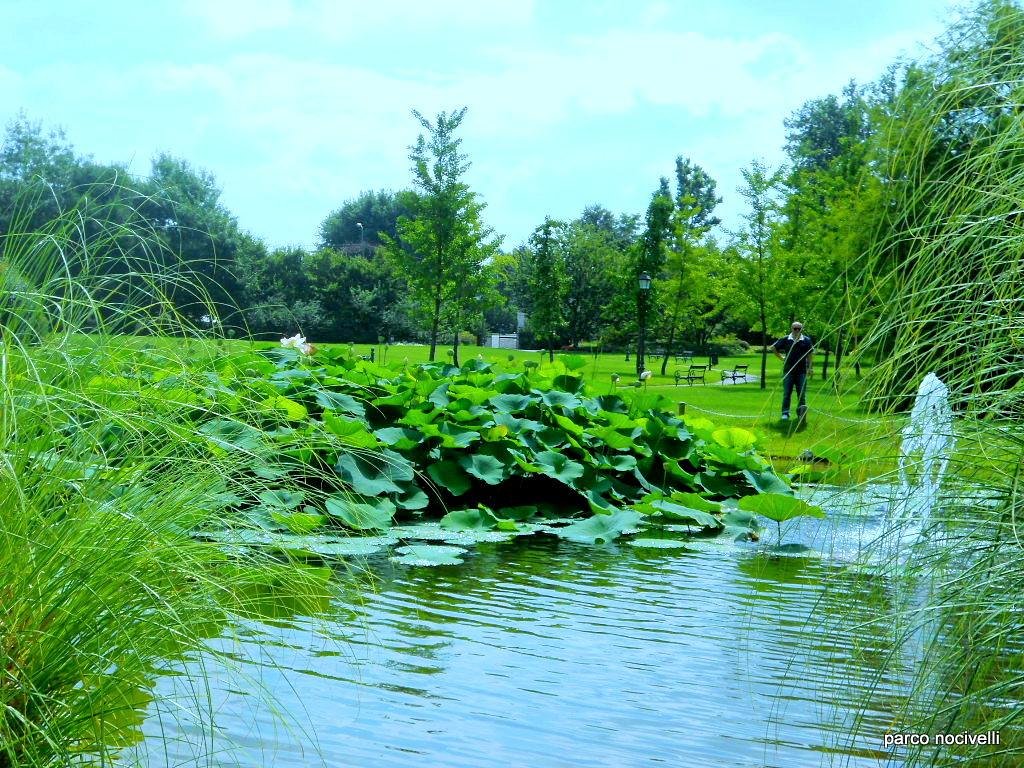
x=795 y=351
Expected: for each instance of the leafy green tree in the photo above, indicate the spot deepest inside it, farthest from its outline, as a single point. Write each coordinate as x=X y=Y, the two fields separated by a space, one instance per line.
x=760 y=277
x=548 y=283
x=692 y=219
x=442 y=245
x=277 y=293
x=593 y=259
x=360 y=222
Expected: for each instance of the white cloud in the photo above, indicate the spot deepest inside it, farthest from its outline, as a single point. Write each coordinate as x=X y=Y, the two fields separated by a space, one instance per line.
x=334 y=20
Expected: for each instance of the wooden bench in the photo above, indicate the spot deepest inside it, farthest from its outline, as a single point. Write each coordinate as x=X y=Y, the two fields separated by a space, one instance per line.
x=692 y=374
x=684 y=357
x=738 y=373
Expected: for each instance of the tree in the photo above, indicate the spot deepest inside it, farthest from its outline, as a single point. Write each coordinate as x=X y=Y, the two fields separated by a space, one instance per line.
x=650 y=258
x=376 y=212
x=442 y=245
x=593 y=259
x=760 y=190
x=548 y=283
x=692 y=219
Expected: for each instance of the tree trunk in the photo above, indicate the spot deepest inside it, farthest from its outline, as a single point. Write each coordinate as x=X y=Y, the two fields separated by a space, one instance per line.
x=455 y=347
x=764 y=348
x=434 y=323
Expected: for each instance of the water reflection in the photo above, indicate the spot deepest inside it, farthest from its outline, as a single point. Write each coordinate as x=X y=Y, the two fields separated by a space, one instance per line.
x=544 y=653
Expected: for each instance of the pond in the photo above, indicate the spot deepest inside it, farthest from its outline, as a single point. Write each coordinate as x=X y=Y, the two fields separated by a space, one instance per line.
x=542 y=652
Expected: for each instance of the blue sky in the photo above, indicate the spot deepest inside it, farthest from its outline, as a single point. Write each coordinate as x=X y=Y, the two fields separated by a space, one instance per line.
x=298 y=105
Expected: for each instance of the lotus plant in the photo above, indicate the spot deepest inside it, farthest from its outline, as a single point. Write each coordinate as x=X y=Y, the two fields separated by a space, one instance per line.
x=298 y=342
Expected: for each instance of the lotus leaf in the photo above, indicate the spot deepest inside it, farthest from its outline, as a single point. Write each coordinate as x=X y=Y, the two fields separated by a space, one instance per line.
x=402 y=438
x=361 y=516
x=658 y=543
x=469 y=520
x=351 y=432
x=735 y=438
x=779 y=507
x=558 y=466
x=767 y=481
x=281 y=499
x=367 y=475
x=292 y=410
x=511 y=403
x=428 y=554
x=558 y=399
x=599 y=528
x=336 y=401
x=483 y=467
x=448 y=474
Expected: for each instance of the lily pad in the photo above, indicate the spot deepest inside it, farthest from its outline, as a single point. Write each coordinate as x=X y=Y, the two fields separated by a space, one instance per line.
x=599 y=528
x=428 y=554
x=657 y=543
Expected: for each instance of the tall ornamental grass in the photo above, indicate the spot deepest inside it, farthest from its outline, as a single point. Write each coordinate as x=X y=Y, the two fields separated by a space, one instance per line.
x=100 y=486
x=945 y=276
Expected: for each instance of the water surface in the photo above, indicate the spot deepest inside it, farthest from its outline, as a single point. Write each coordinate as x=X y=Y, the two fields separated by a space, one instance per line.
x=543 y=653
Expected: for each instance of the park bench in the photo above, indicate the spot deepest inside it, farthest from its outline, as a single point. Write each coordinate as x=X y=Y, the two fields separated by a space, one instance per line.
x=738 y=373
x=692 y=374
x=684 y=357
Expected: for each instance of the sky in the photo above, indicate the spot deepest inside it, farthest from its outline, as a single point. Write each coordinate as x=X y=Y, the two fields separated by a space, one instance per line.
x=296 y=106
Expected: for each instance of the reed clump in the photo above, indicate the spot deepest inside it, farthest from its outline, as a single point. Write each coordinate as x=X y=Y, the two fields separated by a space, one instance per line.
x=944 y=278
x=101 y=488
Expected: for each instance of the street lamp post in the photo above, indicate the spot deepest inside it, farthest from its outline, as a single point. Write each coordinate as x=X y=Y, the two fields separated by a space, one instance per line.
x=644 y=283
x=362 y=239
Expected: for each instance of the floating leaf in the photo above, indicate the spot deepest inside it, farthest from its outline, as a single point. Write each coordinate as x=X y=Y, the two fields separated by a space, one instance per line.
x=429 y=554
x=599 y=528
x=468 y=520
x=657 y=543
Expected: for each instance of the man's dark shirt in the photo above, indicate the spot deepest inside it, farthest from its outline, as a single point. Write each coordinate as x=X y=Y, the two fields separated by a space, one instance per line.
x=796 y=352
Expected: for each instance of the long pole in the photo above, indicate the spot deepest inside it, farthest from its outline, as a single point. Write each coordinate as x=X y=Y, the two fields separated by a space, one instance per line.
x=642 y=317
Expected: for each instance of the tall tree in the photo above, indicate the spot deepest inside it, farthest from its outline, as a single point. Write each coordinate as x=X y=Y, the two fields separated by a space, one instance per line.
x=548 y=283
x=651 y=254
x=692 y=219
x=760 y=190
x=442 y=244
